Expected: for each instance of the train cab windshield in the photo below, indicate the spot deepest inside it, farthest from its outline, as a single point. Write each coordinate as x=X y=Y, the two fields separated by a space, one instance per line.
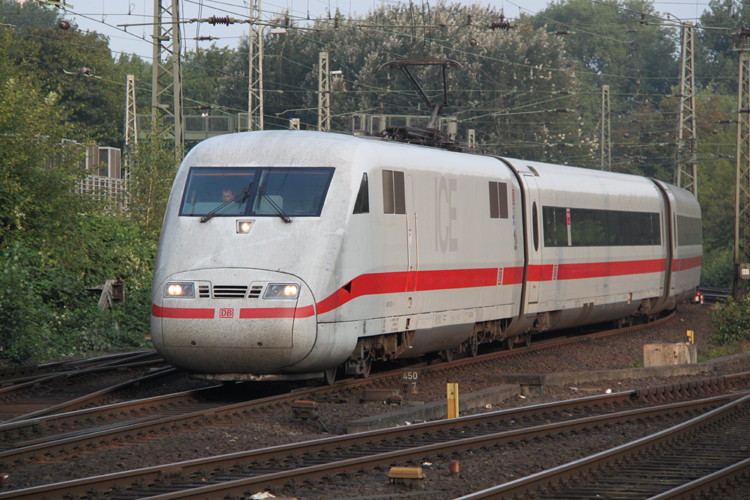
x=255 y=191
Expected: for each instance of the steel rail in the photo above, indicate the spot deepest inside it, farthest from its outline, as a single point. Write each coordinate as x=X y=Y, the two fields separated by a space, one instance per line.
x=527 y=486
x=7 y=375
x=124 y=481
x=5 y=392
x=58 y=416
x=717 y=480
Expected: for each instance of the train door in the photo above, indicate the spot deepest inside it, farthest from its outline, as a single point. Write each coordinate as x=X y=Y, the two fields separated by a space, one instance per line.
x=533 y=223
x=412 y=240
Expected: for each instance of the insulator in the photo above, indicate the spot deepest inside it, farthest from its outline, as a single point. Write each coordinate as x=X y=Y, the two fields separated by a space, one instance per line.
x=679 y=95
x=515 y=80
x=638 y=86
x=500 y=25
x=631 y=30
x=643 y=19
x=335 y=23
x=561 y=32
x=564 y=92
x=286 y=21
x=204 y=106
x=561 y=110
x=743 y=111
x=468 y=20
x=626 y=135
x=531 y=81
x=207 y=38
x=63 y=25
x=725 y=122
x=226 y=20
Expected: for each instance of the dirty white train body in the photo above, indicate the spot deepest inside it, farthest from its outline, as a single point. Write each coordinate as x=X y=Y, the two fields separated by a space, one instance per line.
x=395 y=250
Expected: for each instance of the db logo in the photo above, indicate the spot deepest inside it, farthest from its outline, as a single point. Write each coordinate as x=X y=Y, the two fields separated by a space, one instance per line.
x=226 y=313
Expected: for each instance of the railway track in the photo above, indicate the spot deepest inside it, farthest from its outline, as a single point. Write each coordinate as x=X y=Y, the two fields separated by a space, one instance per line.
x=248 y=472
x=60 y=383
x=711 y=451
x=40 y=437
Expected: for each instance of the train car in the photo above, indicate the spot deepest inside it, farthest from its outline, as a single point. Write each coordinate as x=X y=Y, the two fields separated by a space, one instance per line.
x=291 y=255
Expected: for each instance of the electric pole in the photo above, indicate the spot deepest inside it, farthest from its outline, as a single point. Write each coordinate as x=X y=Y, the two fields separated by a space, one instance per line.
x=606 y=147
x=131 y=124
x=255 y=84
x=324 y=93
x=741 y=44
x=167 y=77
x=686 y=168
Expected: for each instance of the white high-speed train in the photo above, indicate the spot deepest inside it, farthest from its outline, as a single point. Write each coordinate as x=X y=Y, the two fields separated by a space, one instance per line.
x=288 y=254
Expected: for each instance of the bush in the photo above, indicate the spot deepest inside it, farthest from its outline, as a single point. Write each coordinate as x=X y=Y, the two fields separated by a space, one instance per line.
x=731 y=322
x=717 y=269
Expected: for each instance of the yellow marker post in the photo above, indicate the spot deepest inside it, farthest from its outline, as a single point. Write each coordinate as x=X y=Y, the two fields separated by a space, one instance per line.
x=452 y=400
x=691 y=336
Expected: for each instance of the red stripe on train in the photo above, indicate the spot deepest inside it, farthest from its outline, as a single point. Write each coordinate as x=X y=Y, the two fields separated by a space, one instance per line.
x=182 y=312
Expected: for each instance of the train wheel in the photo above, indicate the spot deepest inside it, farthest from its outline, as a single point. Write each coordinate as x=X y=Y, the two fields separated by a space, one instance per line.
x=510 y=343
x=527 y=340
x=447 y=355
x=329 y=376
x=367 y=368
x=472 y=346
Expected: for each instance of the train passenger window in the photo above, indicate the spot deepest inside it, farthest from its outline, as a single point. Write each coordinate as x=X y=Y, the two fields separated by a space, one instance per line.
x=394 y=193
x=362 y=205
x=298 y=192
x=498 y=200
x=555 y=226
x=535 y=216
x=689 y=231
x=592 y=228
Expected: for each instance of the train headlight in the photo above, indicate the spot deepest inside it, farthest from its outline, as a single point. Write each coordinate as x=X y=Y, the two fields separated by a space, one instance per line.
x=281 y=291
x=243 y=226
x=181 y=290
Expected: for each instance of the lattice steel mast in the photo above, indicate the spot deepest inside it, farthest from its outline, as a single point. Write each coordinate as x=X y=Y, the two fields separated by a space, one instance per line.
x=255 y=85
x=167 y=78
x=606 y=146
x=324 y=93
x=742 y=173
x=686 y=168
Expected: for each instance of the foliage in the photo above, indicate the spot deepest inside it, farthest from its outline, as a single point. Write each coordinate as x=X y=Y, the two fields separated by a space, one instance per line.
x=55 y=243
x=717 y=269
x=731 y=322
x=153 y=163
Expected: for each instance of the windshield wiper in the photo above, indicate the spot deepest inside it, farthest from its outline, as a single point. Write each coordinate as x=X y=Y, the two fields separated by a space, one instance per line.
x=210 y=215
x=282 y=215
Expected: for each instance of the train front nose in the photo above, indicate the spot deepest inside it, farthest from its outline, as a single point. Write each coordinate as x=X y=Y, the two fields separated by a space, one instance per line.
x=233 y=321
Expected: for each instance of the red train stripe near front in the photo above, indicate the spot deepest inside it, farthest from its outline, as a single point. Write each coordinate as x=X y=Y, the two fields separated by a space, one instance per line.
x=182 y=312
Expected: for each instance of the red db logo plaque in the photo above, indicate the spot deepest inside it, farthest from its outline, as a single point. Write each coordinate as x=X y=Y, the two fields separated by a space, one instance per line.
x=226 y=313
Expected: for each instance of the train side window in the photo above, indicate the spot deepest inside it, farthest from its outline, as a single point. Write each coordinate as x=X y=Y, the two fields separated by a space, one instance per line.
x=555 y=226
x=689 y=231
x=362 y=205
x=394 y=193
x=498 y=200
x=535 y=223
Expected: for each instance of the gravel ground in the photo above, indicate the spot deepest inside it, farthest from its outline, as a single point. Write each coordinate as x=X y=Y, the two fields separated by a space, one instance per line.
x=479 y=469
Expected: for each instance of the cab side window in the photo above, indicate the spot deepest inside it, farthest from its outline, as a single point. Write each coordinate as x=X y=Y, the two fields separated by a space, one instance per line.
x=362 y=205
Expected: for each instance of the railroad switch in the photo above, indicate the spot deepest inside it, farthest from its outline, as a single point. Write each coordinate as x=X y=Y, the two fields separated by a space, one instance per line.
x=305 y=409
x=409 y=477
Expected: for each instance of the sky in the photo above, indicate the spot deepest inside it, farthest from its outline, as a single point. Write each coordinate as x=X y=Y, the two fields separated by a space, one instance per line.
x=104 y=16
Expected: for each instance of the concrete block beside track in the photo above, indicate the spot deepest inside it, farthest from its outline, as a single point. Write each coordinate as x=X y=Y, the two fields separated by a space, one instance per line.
x=433 y=411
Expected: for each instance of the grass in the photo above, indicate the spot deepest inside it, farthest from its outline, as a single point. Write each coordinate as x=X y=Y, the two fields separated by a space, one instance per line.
x=729 y=349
